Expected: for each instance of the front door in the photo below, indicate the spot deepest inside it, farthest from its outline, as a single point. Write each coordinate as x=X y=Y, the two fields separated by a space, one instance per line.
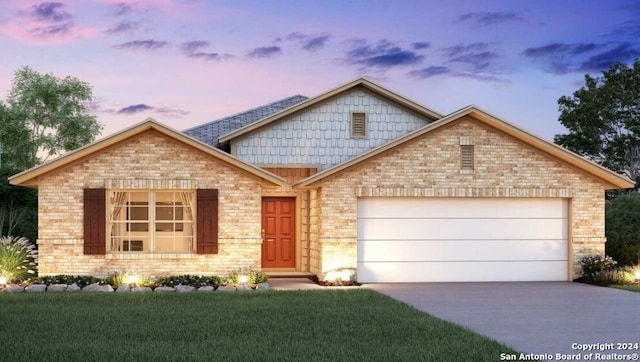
x=278 y=230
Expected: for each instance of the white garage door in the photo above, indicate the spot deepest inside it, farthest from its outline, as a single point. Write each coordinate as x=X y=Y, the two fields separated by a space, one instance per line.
x=462 y=239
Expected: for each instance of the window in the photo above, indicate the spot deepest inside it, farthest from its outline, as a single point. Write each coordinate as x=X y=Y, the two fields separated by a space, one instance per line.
x=358 y=124
x=151 y=221
x=466 y=157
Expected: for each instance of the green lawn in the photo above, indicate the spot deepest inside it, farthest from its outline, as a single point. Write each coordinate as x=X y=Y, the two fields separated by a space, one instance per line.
x=631 y=287
x=332 y=325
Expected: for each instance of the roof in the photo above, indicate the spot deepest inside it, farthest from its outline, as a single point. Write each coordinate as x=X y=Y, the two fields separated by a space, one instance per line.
x=592 y=168
x=209 y=132
x=304 y=105
x=30 y=177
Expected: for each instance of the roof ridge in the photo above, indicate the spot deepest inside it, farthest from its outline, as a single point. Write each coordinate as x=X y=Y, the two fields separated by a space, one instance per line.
x=248 y=111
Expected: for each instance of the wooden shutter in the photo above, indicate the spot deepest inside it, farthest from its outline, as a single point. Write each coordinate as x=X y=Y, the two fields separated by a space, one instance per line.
x=358 y=124
x=207 y=221
x=466 y=157
x=95 y=221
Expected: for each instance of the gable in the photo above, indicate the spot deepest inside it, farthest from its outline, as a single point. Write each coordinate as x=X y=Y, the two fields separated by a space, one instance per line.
x=498 y=165
x=321 y=135
x=164 y=136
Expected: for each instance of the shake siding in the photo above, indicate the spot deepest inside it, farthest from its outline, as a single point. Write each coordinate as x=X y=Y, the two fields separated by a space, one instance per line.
x=322 y=136
x=149 y=161
x=430 y=167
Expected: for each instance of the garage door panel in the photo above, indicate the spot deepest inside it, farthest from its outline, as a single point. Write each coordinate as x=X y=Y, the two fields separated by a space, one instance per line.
x=416 y=229
x=390 y=207
x=462 y=239
x=461 y=250
x=403 y=272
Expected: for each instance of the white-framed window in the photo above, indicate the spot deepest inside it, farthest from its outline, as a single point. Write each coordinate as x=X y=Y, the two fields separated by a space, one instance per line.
x=358 y=125
x=151 y=221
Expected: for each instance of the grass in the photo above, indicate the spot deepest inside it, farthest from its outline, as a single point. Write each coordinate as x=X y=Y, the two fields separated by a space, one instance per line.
x=336 y=325
x=631 y=287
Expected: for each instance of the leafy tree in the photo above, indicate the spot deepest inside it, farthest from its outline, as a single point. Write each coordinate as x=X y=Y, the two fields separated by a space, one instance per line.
x=623 y=229
x=603 y=119
x=43 y=116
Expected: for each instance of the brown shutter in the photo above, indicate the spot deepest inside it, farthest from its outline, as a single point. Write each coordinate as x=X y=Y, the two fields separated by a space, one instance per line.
x=207 y=221
x=95 y=221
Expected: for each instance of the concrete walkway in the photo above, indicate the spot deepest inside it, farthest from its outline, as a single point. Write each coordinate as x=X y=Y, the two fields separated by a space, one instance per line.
x=536 y=317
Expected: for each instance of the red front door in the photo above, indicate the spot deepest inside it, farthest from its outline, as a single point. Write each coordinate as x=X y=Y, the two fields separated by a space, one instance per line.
x=279 y=230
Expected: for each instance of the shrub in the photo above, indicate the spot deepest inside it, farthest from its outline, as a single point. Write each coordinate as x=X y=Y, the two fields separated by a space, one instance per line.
x=120 y=278
x=187 y=279
x=618 y=276
x=592 y=265
x=17 y=258
x=81 y=280
x=253 y=277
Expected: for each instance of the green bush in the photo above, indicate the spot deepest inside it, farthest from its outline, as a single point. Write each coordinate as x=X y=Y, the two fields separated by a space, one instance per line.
x=120 y=278
x=622 y=229
x=592 y=265
x=192 y=280
x=253 y=277
x=619 y=276
x=81 y=280
x=17 y=258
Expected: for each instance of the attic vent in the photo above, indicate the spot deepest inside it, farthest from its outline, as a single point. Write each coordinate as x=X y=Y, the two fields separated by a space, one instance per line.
x=358 y=124
x=466 y=157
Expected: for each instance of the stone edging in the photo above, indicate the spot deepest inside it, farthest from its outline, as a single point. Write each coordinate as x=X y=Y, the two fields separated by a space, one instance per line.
x=97 y=288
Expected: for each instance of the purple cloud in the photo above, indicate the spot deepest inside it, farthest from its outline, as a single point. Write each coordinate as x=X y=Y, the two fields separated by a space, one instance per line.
x=487 y=18
x=429 y=72
x=265 y=52
x=384 y=54
x=123 y=27
x=143 y=44
x=420 y=45
x=309 y=43
x=192 y=50
x=562 y=58
x=136 y=108
x=52 y=30
x=50 y=11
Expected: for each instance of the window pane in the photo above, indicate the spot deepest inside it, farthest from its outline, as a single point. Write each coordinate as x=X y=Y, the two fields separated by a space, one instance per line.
x=164 y=226
x=164 y=212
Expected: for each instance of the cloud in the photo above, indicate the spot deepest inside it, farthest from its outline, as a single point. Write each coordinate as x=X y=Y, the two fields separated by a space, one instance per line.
x=50 y=12
x=123 y=27
x=192 y=50
x=142 y=44
x=309 y=43
x=52 y=30
x=384 y=54
x=622 y=53
x=265 y=52
x=562 y=58
x=429 y=72
x=136 y=108
x=420 y=45
x=124 y=8
x=488 y=18
x=475 y=54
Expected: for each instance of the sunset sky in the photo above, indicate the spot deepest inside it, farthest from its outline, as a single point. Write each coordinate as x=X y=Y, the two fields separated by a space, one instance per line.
x=188 y=62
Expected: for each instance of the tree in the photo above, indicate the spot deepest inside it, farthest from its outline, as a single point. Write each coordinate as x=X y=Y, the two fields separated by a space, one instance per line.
x=622 y=229
x=43 y=116
x=603 y=119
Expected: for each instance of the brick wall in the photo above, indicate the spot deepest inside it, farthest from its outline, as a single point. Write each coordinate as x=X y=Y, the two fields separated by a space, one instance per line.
x=148 y=161
x=430 y=167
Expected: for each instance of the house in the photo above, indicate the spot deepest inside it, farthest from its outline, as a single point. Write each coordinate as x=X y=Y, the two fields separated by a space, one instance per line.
x=358 y=177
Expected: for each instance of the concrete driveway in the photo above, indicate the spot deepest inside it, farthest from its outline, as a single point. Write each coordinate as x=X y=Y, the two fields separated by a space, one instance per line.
x=533 y=317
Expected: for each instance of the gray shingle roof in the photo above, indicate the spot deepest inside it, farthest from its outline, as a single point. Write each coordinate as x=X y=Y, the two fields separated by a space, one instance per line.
x=210 y=132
